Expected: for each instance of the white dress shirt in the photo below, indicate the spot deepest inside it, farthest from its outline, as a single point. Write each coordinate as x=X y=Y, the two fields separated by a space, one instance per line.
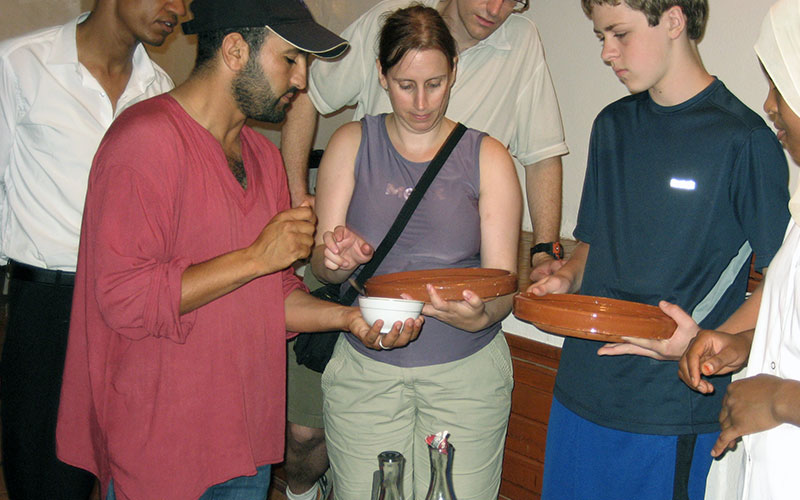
x=503 y=85
x=53 y=114
x=773 y=456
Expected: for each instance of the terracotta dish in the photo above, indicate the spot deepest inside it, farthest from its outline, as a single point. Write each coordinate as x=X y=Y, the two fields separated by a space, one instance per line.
x=594 y=318
x=487 y=283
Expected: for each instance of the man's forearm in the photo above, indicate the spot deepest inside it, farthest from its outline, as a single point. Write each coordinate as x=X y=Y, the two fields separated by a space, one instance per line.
x=305 y=313
x=297 y=136
x=207 y=281
x=543 y=187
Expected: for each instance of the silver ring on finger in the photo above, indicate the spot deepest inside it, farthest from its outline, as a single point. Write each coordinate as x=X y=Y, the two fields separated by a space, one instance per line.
x=380 y=343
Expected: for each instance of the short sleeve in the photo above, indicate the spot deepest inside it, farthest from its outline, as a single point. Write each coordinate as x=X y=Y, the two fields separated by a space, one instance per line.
x=539 y=130
x=759 y=191
x=335 y=84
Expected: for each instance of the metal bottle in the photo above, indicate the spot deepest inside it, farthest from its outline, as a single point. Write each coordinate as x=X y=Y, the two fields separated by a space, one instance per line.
x=441 y=487
x=391 y=465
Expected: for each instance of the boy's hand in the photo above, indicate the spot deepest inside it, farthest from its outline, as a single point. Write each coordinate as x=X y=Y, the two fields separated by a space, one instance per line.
x=555 y=283
x=544 y=266
x=666 y=349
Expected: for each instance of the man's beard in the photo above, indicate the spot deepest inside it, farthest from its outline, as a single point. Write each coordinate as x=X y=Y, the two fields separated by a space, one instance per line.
x=254 y=95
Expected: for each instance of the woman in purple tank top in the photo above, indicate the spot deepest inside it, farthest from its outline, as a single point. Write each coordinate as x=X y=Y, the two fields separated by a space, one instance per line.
x=457 y=375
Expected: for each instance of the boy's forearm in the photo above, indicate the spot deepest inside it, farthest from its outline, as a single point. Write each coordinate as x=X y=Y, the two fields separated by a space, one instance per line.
x=744 y=318
x=573 y=269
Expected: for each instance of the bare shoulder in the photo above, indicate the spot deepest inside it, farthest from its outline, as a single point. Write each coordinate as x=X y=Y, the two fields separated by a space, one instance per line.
x=493 y=151
x=342 y=149
x=346 y=135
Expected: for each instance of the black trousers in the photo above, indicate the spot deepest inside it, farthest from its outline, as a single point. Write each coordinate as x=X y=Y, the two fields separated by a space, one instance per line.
x=31 y=369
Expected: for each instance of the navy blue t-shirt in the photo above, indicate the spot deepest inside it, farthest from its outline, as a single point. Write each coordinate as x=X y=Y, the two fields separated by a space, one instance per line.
x=673 y=201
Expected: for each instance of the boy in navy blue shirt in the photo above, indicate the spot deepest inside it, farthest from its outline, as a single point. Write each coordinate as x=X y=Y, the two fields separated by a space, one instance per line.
x=683 y=184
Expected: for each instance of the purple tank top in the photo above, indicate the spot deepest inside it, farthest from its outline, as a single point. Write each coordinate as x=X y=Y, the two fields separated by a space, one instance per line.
x=444 y=231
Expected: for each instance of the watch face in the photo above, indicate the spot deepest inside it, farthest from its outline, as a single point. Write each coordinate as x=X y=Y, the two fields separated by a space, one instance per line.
x=558 y=251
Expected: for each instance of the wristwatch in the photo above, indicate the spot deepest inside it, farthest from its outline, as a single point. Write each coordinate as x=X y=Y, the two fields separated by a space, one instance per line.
x=551 y=248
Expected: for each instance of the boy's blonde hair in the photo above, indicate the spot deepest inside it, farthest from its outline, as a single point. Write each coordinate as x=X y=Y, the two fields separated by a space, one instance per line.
x=696 y=11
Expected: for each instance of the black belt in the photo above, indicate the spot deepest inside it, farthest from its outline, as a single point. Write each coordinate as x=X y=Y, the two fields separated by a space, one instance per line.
x=24 y=272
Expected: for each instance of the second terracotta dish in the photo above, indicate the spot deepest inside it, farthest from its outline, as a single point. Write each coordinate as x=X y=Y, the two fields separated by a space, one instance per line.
x=594 y=318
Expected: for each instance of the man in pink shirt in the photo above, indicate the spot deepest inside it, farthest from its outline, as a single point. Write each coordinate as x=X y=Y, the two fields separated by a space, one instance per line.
x=175 y=374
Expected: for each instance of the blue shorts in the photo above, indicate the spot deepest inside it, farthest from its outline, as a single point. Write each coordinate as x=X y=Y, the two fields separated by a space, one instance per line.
x=584 y=460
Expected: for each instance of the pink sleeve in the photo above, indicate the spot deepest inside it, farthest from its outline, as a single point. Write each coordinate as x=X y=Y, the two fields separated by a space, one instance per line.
x=291 y=282
x=136 y=278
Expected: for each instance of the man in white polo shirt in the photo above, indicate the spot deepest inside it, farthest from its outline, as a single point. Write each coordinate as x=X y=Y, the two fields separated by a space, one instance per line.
x=60 y=89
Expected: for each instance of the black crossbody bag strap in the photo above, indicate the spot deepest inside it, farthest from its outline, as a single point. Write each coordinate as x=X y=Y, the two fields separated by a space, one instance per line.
x=405 y=213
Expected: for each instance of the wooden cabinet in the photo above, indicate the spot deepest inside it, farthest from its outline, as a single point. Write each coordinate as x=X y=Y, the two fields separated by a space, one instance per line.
x=535 y=366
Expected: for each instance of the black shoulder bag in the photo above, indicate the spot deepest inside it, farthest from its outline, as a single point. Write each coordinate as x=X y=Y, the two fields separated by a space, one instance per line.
x=314 y=350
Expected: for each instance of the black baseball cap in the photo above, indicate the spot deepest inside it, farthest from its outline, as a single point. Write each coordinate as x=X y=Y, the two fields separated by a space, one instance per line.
x=289 y=19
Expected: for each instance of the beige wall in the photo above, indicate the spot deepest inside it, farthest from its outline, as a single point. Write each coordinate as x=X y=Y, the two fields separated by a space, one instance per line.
x=21 y=16
x=583 y=83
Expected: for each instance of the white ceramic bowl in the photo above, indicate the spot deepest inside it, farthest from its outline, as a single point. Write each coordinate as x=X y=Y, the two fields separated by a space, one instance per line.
x=389 y=310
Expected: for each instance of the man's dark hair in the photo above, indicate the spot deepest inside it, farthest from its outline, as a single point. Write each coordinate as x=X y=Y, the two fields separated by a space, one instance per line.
x=209 y=42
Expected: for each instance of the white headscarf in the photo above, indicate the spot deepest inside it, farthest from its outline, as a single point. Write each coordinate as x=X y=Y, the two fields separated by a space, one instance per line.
x=778 y=48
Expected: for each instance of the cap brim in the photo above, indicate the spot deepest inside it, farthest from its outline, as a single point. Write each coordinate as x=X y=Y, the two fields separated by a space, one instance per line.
x=313 y=38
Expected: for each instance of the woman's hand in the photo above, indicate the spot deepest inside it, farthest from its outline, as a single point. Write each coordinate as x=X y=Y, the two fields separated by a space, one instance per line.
x=345 y=250
x=469 y=314
x=666 y=349
x=401 y=334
